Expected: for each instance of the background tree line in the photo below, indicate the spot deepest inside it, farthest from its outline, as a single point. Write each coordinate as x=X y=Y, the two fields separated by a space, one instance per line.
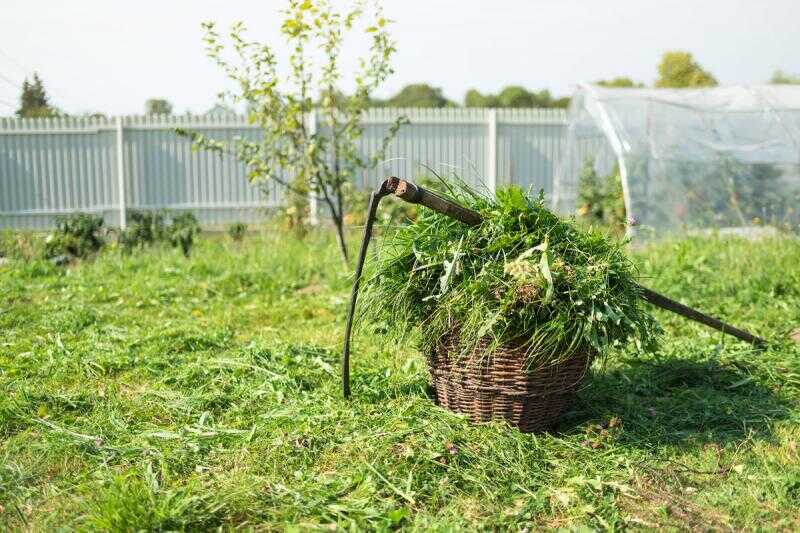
x=677 y=69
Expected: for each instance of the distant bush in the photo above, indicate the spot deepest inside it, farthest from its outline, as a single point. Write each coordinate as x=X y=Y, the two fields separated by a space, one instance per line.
x=75 y=236
x=80 y=235
x=147 y=228
x=144 y=228
x=237 y=231
x=182 y=232
x=600 y=200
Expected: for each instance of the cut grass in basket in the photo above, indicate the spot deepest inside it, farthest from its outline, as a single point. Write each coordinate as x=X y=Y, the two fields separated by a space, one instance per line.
x=523 y=275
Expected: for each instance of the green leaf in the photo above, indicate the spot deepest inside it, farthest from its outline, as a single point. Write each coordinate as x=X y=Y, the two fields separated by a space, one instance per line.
x=489 y=324
x=450 y=268
x=513 y=197
x=398 y=515
x=542 y=247
x=527 y=253
x=739 y=383
x=544 y=267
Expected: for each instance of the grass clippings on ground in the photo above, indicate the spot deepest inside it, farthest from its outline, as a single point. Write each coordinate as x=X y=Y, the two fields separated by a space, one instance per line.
x=157 y=392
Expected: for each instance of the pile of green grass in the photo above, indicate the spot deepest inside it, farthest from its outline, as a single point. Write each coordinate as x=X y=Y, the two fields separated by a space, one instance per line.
x=154 y=392
x=523 y=275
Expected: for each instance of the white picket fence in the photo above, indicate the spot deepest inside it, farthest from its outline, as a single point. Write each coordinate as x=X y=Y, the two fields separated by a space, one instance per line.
x=52 y=167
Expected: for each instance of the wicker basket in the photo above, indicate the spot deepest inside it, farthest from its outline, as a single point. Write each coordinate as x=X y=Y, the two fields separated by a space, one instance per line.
x=502 y=388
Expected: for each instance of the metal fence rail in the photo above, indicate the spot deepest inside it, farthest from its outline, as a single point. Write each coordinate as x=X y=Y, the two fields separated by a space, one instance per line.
x=51 y=167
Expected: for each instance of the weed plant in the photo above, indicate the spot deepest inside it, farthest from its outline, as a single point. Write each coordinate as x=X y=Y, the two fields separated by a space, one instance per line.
x=600 y=200
x=147 y=228
x=77 y=236
x=237 y=231
x=183 y=231
x=144 y=228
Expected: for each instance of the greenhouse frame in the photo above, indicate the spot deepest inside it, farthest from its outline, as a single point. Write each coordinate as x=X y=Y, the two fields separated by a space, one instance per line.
x=688 y=160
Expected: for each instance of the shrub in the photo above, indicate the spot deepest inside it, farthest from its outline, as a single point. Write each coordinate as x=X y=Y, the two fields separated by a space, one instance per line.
x=522 y=274
x=77 y=235
x=237 y=231
x=182 y=231
x=600 y=200
x=144 y=229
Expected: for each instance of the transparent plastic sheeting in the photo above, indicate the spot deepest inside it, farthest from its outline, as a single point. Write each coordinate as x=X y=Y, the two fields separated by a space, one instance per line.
x=691 y=160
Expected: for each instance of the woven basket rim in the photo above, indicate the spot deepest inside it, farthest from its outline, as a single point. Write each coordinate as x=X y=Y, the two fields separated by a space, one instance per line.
x=439 y=373
x=465 y=374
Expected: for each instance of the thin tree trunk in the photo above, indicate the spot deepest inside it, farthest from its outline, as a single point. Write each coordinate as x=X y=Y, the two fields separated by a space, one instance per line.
x=338 y=222
x=338 y=212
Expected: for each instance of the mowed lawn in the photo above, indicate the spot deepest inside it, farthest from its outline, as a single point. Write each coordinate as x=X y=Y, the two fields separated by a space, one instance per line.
x=160 y=393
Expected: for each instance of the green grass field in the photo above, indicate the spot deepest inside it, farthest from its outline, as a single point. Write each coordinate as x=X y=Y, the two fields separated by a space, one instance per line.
x=159 y=393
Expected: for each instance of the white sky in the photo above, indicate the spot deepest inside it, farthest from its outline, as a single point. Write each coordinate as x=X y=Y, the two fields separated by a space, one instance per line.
x=111 y=55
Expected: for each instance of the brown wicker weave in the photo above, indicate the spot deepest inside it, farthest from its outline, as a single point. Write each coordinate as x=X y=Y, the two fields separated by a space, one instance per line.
x=502 y=388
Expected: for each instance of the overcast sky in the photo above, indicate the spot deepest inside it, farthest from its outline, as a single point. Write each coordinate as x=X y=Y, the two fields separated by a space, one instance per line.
x=111 y=55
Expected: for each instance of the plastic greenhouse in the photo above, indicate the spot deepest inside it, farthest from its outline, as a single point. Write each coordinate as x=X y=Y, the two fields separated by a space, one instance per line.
x=689 y=160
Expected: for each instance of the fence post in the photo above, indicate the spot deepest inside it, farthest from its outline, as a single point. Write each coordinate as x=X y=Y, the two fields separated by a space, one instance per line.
x=313 y=204
x=121 y=174
x=491 y=155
